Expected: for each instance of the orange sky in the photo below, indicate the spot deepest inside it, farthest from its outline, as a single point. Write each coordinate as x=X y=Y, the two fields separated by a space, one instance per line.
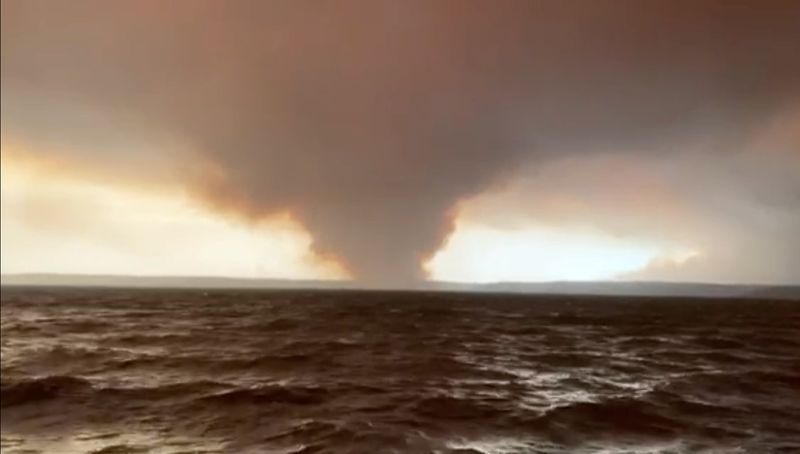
x=60 y=217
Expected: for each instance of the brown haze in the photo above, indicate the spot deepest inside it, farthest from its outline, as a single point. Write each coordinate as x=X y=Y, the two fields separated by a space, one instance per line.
x=370 y=121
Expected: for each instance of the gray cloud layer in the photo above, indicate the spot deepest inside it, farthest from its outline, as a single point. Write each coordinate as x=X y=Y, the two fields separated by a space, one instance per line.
x=369 y=120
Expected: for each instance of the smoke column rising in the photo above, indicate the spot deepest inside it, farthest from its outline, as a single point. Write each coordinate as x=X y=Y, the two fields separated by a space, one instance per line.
x=370 y=120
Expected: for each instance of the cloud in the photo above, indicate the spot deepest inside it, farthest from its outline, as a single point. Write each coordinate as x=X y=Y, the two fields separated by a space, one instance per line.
x=729 y=218
x=371 y=121
x=60 y=219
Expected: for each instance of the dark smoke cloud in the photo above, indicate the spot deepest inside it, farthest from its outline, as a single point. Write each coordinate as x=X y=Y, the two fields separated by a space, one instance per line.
x=370 y=120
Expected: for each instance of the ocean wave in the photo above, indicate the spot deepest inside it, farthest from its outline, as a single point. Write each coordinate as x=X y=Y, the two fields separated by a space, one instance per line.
x=611 y=416
x=215 y=365
x=270 y=394
x=40 y=389
x=445 y=407
x=751 y=382
x=200 y=392
x=37 y=390
x=362 y=372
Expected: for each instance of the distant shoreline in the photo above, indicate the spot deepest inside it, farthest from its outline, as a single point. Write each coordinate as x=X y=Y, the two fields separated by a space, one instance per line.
x=568 y=288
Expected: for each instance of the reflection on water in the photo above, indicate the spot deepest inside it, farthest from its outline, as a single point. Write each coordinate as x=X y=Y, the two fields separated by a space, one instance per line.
x=119 y=371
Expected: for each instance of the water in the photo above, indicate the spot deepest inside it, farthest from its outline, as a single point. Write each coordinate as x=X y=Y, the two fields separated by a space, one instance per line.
x=130 y=371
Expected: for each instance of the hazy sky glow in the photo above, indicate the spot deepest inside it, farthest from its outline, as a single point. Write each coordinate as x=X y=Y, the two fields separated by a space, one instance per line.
x=480 y=254
x=396 y=141
x=55 y=222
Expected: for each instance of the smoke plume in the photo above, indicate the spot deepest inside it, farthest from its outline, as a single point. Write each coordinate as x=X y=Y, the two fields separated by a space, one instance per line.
x=370 y=120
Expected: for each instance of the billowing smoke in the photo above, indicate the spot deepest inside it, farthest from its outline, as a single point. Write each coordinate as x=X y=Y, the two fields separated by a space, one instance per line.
x=370 y=120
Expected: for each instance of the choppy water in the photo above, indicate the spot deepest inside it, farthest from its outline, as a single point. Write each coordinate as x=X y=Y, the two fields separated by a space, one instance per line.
x=118 y=371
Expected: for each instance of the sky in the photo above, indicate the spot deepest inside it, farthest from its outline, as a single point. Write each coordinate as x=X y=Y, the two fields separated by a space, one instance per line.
x=395 y=142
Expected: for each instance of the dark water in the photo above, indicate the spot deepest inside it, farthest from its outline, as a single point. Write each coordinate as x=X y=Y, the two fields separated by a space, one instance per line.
x=118 y=371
